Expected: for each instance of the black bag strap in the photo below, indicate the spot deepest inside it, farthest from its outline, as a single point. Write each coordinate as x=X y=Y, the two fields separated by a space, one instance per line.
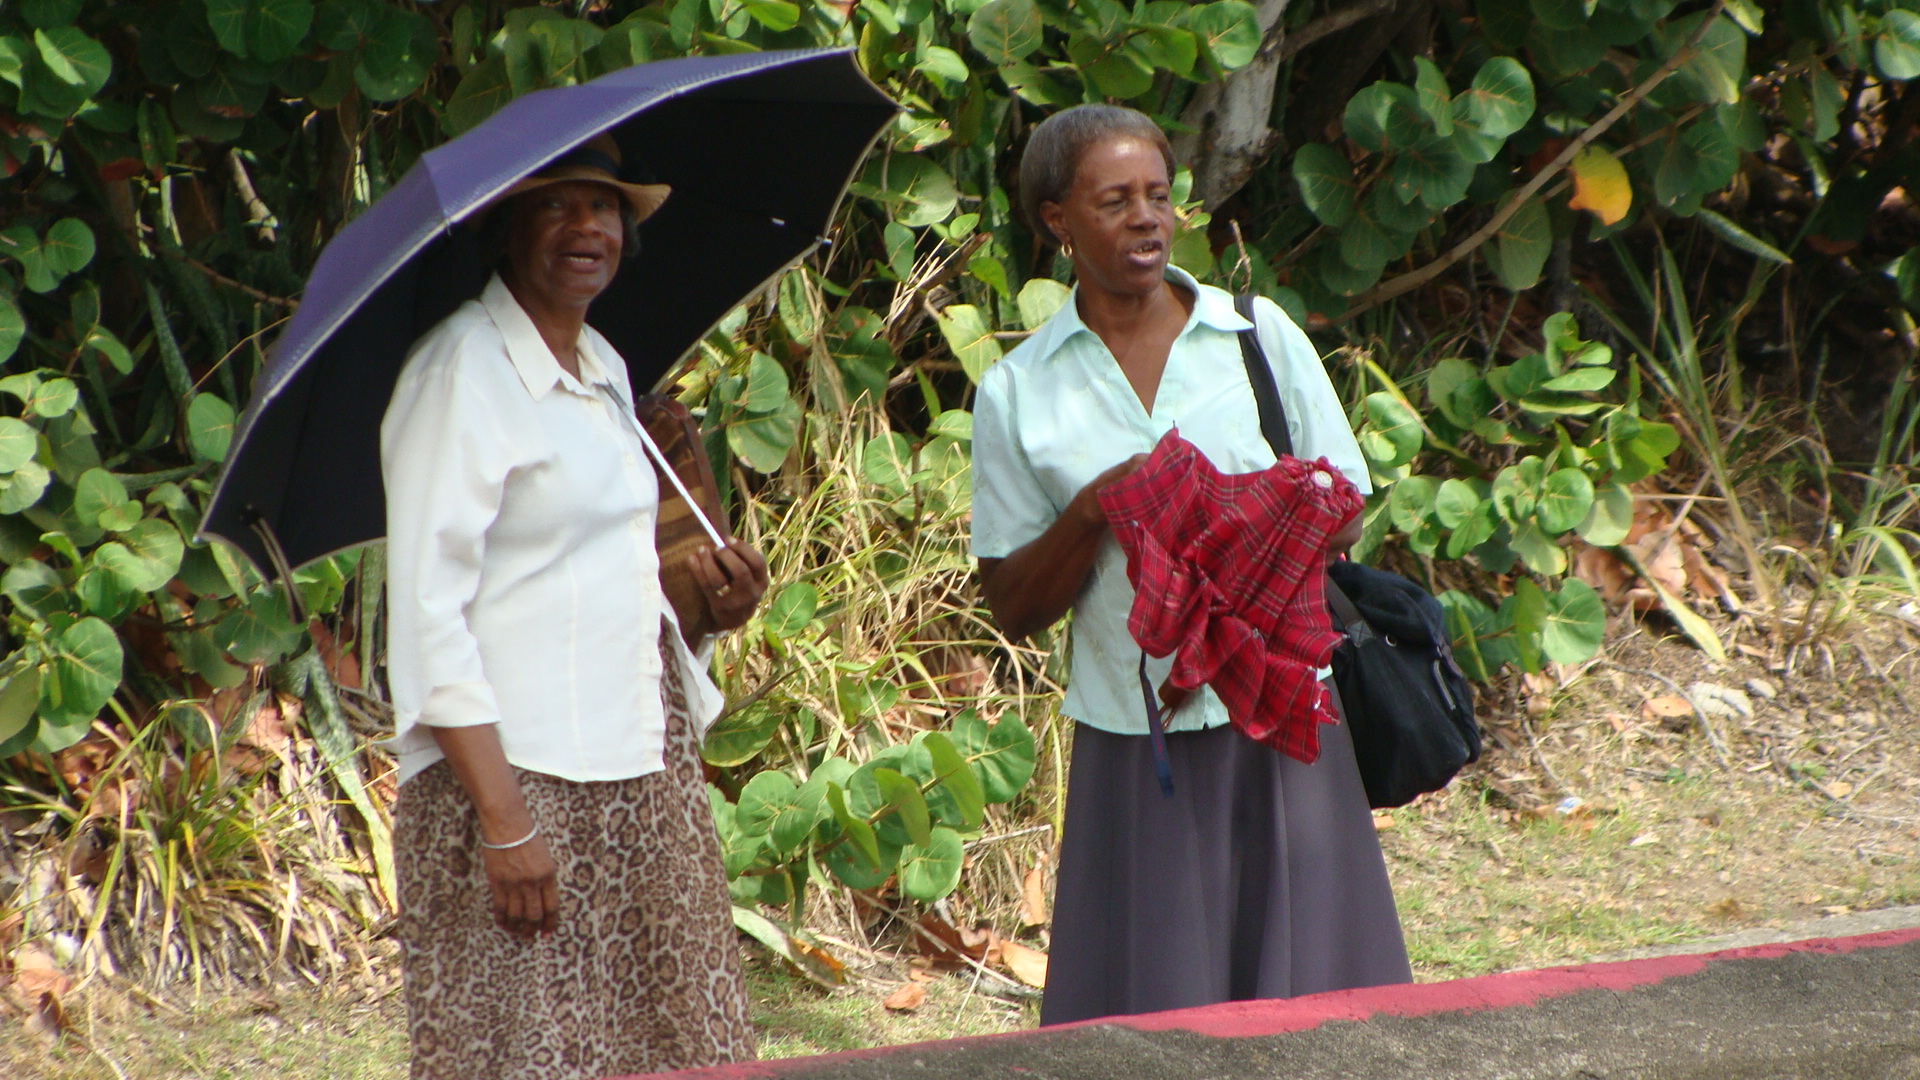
x=1266 y=396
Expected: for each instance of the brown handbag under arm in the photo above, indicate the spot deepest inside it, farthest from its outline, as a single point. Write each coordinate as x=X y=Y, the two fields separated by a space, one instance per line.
x=677 y=532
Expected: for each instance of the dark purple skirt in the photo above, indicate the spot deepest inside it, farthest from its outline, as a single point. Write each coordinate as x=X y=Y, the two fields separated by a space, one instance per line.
x=1260 y=878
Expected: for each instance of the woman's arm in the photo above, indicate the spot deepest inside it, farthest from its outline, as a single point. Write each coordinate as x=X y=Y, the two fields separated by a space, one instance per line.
x=523 y=880
x=1033 y=587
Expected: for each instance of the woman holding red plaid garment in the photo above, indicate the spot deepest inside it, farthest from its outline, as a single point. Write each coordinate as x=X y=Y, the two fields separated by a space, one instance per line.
x=1260 y=876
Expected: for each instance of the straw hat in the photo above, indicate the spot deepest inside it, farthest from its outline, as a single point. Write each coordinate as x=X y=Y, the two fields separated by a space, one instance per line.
x=598 y=160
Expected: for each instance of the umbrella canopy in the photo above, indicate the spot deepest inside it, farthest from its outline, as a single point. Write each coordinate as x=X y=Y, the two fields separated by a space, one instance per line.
x=758 y=148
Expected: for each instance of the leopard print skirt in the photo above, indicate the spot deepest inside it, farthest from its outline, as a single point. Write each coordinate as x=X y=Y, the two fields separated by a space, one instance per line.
x=643 y=973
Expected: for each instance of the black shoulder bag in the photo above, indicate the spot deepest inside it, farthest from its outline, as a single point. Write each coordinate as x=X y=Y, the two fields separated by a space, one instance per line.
x=1408 y=705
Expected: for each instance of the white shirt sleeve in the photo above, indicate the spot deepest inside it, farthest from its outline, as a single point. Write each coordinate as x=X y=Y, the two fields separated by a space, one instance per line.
x=1010 y=508
x=446 y=456
x=1315 y=418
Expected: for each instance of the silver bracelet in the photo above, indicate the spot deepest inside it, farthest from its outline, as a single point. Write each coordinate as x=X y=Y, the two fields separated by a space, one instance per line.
x=515 y=844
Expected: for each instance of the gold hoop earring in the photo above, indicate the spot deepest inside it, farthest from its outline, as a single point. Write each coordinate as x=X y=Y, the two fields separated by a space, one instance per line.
x=1066 y=249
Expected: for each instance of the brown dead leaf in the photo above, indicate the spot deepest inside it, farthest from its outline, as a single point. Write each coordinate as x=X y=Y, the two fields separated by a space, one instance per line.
x=1667 y=708
x=37 y=987
x=1029 y=965
x=949 y=946
x=909 y=997
x=1033 y=897
x=1384 y=822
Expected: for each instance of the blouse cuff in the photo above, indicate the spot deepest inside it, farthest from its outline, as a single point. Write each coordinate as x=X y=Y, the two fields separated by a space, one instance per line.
x=460 y=705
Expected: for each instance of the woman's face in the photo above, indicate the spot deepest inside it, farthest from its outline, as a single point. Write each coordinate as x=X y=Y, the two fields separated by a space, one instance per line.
x=563 y=244
x=1118 y=215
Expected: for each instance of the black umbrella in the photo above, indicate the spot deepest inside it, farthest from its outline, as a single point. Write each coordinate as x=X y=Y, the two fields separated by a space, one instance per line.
x=758 y=148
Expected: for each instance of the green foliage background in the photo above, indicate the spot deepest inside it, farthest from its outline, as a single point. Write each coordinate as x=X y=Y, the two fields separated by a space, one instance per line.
x=174 y=166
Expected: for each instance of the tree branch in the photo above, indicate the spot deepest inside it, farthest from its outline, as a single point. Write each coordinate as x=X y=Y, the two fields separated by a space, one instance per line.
x=1279 y=46
x=1407 y=282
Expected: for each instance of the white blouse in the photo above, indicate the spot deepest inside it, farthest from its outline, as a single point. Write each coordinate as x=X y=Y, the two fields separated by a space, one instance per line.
x=1058 y=412
x=523 y=585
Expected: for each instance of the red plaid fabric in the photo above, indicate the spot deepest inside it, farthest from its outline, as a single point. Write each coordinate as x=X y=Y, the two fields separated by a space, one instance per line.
x=1227 y=571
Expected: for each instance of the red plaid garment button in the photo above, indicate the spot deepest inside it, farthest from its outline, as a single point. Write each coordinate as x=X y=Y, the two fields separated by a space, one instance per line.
x=1323 y=478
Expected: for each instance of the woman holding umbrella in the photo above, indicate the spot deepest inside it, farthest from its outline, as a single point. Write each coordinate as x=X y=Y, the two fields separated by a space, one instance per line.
x=1258 y=875
x=564 y=910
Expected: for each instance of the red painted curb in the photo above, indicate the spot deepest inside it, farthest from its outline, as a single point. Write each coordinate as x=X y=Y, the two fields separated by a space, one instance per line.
x=1277 y=1016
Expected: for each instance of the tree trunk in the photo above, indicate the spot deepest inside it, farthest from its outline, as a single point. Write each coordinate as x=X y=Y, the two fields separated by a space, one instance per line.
x=1228 y=119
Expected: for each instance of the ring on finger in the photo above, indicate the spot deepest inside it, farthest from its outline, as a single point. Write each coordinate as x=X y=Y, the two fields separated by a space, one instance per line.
x=723 y=590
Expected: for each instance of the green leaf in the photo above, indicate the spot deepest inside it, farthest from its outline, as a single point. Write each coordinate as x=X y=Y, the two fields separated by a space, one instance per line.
x=1394 y=435
x=1454 y=503
x=480 y=94
x=767 y=388
x=1719 y=69
x=47 y=14
x=887 y=462
x=955 y=780
x=971 y=338
x=1526 y=610
x=1611 y=517
x=764 y=441
x=761 y=799
x=1525 y=241
x=739 y=736
x=24 y=487
x=1896 y=51
x=1515 y=489
x=13 y=325
x=1040 y=299
x=19 y=442
x=54 y=398
x=779 y=16
x=1169 y=48
x=79 y=62
x=1229 y=32
x=1384 y=117
x=1737 y=237
x=199 y=654
x=942 y=62
x=1565 y=500
x=260 y=631
x=1432 y=172
x=1500 y=101
x=69 y=246
x=1005 y=31
x=18 y=698
x=1410 y=501
x=397 y=56
x=1561 y=14
x=159 y=547
x=915 y=188
x=269 y=31
x=1002 y=756
x=792 y=609
x=903 y=798
x=1576 y=621
x=1583 y=380
x=83 y=671
x=1326 y=184
x=98 y=492
x=931 y=871
x=1538 y=551
x=210 y=423
x=956 y=424
x=1114 y=70
x=1435 y=97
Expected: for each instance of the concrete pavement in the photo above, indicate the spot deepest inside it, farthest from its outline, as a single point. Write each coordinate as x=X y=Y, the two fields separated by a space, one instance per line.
x=1837 y=1008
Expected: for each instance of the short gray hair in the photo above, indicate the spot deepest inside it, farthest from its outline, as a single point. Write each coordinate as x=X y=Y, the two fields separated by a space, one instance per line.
x=1054 y=151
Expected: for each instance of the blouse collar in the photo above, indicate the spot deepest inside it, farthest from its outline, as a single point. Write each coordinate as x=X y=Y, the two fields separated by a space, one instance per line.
x=1212 y=307
x=534 y=362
